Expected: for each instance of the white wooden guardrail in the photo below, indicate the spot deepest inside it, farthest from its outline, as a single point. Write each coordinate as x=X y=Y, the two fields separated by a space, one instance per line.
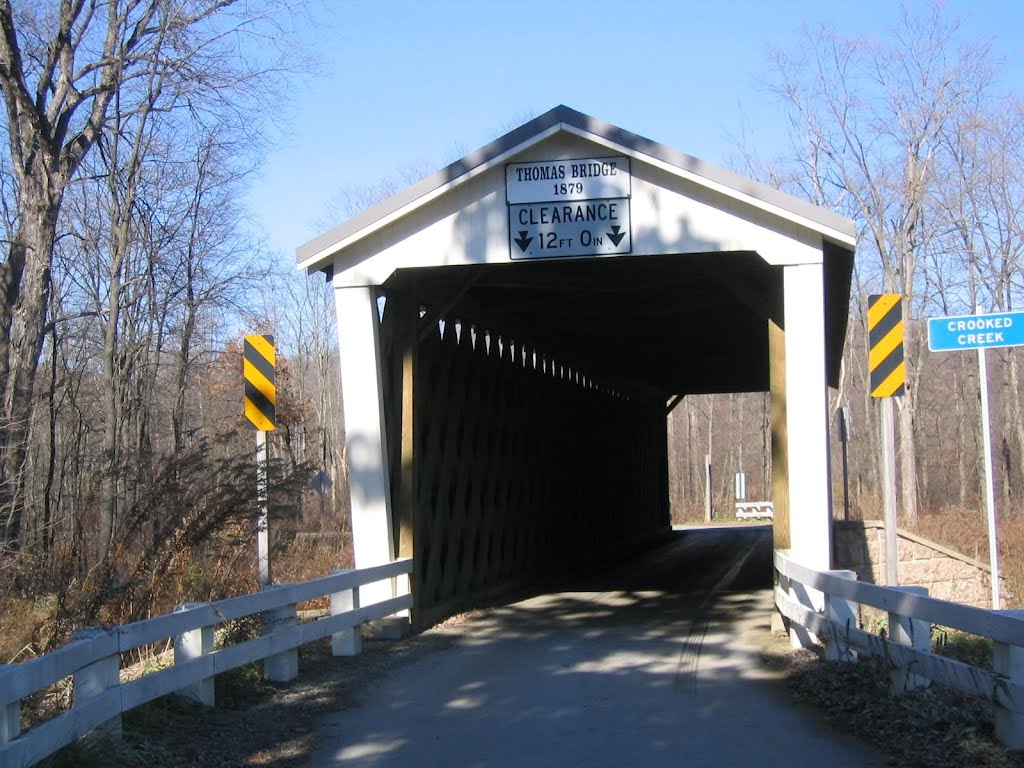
x=93 y=658
x=760 y=510
x=907 y=648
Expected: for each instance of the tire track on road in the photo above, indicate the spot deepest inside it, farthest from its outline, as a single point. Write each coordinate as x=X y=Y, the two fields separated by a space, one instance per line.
x=688 y=664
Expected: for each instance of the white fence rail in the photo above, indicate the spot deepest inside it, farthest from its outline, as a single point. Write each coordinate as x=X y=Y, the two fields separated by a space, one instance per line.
x=92 y=659
x=911 y=615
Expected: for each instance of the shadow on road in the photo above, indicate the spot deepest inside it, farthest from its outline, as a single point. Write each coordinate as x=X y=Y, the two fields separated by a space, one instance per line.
x=643 y=663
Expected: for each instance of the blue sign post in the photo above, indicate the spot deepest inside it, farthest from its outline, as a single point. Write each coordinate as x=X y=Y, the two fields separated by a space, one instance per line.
x=980 y=332
x=948 y=334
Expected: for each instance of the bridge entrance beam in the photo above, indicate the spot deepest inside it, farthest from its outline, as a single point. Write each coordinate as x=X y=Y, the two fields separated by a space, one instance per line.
x=807 y=426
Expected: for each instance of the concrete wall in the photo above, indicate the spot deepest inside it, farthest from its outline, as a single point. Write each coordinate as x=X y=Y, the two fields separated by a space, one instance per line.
x=948 y=575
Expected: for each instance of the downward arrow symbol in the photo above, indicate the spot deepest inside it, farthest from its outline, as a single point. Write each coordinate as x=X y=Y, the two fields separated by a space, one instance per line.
x=524 y=242
x=615 y=236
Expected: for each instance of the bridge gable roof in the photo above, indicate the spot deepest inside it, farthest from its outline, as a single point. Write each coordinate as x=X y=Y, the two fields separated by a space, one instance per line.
x=353 y=242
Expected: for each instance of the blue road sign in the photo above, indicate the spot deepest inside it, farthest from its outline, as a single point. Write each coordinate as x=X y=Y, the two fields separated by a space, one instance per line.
x=946 y=334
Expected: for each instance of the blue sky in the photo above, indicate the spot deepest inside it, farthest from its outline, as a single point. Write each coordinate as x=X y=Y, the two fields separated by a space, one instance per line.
x=422 y=83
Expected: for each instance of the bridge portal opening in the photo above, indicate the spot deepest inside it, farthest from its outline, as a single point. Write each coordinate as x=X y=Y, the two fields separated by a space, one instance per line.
x=506 y=412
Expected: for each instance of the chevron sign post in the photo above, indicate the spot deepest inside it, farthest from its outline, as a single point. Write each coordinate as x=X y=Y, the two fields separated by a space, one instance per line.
x=888 y=380
x=259 y=373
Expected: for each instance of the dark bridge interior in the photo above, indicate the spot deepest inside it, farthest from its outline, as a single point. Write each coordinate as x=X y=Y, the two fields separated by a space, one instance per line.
x=675 y=325
x=526 y=403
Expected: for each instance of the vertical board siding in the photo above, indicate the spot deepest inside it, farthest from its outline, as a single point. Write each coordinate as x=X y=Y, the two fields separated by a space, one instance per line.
x=522 y=463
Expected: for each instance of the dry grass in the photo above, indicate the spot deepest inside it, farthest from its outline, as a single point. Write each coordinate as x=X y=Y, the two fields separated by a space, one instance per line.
x=27 y=624
x=961 y=529
x=928 y=728
x=26 y=631
x=965 y=531
x=309 y=556
x=22 y=623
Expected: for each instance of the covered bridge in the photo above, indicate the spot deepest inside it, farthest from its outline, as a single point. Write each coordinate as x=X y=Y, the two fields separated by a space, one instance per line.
x=515 y=329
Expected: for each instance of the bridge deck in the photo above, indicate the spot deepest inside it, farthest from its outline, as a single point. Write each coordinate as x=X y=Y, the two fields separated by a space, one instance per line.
x=647 y=664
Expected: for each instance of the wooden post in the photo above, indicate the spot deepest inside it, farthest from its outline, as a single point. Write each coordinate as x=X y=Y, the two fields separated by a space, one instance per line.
x=779 y=453
x=407 y=331
x=347 y=642
x=284 y=666
x=844 y=613
x=1008 y=661
x=192 y=645
x=10 y=718
x=780 y=436
x=97 y=678
x=912 y=632
x=779 y=623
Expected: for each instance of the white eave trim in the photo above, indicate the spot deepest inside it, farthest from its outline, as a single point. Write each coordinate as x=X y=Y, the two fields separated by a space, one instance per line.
x=784 y=213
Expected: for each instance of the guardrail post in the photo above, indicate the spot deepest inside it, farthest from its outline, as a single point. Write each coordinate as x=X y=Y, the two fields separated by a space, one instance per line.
x=192 y=645
x=92 y=680
x=347 y=642
x=397 y=625
x=10 y=718
x=843 y=613
x=284 y=666
x=780 y=624
x=403 y=587
x=915 y=633
x=800 y=636
x=1008 y=661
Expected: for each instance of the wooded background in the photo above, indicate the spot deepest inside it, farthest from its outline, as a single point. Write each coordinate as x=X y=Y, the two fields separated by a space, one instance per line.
x=129 y=276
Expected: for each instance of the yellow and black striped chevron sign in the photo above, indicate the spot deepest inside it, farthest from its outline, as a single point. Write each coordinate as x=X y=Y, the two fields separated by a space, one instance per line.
x=260 y=388
x=885 y=359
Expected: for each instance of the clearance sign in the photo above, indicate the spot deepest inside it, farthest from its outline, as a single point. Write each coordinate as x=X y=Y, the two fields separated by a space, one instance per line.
x=575 y=207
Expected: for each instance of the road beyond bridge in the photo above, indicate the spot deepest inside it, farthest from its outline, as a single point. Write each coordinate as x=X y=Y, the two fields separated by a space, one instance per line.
x=650 y=663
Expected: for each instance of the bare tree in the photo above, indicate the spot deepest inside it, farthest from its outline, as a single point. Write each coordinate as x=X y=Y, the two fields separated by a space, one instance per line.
x=69 y=72
x=981 y=256
x=867 y=121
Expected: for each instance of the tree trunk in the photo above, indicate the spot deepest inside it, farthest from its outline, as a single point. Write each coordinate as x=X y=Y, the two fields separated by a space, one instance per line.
x=1018 y=418
x=25 y=279
x=908 y=460
x=51 y=446
x=113 y=385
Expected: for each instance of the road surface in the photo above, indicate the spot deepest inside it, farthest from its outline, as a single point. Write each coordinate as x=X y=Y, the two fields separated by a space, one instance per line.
x=646 y=664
